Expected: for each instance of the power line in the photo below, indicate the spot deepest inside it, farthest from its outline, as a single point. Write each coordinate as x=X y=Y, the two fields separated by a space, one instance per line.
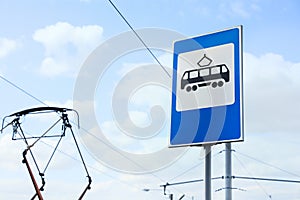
x=267 y=179
x=152 y=54
x=139 y=37
x=22 y=90
x=191 y=168
x=186 y=171
x=261 y=187
x=270 y=165
x=192 y=181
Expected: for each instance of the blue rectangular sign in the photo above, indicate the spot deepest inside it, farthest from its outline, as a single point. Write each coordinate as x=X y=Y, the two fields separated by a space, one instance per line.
x=207 y=95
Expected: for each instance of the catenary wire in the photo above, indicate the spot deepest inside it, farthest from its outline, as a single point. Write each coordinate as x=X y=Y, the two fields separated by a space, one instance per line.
x=148 y=49
x=186 y=171
x=267 y=179
x=22 y=90
x=267 y=164
x=139 y=38
x=145 y=45
x=256 y=181
x=191 y=168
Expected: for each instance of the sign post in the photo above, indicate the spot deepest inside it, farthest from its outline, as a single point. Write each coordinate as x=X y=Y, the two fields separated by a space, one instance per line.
x=228 y=175
x=207 y=178
x=207 y=95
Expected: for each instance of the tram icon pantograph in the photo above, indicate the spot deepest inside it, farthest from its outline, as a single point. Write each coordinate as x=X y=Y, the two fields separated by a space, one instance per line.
x=215 y=76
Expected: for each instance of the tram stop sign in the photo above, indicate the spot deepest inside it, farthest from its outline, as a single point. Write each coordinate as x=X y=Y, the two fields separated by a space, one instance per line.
x=207 y=95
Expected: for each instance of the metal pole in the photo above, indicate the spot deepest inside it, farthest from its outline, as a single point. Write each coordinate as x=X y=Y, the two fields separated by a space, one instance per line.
x=207 y=179
x=228 y=175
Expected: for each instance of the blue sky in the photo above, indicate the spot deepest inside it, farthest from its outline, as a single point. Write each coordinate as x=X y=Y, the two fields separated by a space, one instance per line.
x=43 y=45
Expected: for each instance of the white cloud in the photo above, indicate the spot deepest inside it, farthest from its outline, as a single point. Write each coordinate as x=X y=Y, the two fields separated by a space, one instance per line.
x=7 y=46
x=66 y=46
x=271 y=93
x=52 y=68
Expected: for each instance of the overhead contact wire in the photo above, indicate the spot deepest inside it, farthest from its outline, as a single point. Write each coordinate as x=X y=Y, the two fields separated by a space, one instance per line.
x=21 y=89
x=139 y=37
x=270 y=165
x=251 y=177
